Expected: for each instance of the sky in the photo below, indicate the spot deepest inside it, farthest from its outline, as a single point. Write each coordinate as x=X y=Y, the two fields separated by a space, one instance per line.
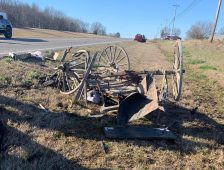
x=129 y=17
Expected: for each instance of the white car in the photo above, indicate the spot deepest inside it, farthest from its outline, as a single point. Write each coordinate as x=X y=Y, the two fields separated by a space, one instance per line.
x=5 y=25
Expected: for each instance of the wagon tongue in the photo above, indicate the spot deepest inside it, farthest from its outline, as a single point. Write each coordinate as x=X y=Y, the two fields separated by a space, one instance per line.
x=138 y=105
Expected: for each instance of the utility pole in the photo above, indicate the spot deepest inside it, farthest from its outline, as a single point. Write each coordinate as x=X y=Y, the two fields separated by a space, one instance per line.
x=174 y=18
x=215 y=23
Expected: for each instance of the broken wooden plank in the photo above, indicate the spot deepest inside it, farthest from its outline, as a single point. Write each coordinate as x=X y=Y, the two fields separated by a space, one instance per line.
x=82 y=84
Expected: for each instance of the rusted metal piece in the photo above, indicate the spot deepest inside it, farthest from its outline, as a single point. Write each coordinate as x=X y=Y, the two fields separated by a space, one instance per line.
x=139 y=104
x=139 y=133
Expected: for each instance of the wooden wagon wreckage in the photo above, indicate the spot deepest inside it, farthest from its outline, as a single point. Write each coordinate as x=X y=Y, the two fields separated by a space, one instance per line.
x=106 y=79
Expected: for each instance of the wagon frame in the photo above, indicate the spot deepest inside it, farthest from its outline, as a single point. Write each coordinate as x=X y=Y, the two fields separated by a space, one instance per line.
x=105 y=78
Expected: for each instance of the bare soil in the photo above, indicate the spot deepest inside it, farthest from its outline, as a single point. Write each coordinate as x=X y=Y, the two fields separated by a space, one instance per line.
x=66 y=138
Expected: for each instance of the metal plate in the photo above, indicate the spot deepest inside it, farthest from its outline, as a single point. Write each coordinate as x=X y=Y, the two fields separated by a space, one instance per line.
x=138 y=133
x=137 y=105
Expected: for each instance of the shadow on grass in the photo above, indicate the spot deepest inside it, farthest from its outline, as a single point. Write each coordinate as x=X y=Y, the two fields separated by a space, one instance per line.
x=32 y=40
x=181 y=121
x=34 y=155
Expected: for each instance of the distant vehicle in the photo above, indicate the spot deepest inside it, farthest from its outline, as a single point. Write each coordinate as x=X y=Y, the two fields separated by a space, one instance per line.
x=172 y=37
x=5 y=25
x=140 y=38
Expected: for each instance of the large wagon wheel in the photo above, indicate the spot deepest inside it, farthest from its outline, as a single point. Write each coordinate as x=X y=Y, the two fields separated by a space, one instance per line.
x=71 y=73
x=178 y=69
x=113 y=59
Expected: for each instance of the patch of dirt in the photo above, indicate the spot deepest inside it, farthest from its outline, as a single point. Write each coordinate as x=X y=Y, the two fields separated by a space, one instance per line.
x=146 y=56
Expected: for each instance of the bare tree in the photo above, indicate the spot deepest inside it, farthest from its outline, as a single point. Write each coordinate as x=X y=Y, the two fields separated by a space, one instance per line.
x=200 y=30
x=98 y=28
x=25 y=15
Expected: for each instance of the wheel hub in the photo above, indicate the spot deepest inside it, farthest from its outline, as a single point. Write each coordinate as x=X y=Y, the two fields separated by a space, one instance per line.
x=113 y=65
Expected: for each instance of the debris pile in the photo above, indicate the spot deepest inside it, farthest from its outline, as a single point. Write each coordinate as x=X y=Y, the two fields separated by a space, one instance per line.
x=37 y=55
x=105 y=78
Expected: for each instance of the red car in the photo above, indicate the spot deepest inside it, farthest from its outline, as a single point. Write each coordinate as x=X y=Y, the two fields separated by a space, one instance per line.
x=140 y=38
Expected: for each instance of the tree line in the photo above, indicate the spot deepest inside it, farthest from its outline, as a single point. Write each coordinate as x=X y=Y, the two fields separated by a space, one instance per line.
x=198 y=30
x=24 y=15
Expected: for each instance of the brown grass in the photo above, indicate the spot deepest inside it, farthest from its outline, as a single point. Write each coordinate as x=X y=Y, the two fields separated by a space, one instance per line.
x=47 y=33
x=65 y=138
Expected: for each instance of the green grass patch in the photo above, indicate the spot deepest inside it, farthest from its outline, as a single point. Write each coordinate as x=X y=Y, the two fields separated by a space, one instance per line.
x=186 y=53
x=205 y=90
x=203 y=76
x=209 y=92
x=8 y=60
x=207 y=67
x=26 y=83
x=2 y=78
x=196 y=61
x=33 y=75
x=5 y=81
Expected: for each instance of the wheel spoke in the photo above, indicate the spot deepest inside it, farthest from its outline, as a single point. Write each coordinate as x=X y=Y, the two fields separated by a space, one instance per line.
x=78 y=64
x=115 y=50
x=107 y=55
x=122 y=64
x=78 y=69
x=58 y=79
x=111 y=54
x=120 y=59
x=117 y=56
x=63 y=81
x=103 y=60
x=67 y=80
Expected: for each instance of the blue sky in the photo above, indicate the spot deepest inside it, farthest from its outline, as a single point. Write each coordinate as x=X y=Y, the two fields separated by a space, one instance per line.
x=137 y=16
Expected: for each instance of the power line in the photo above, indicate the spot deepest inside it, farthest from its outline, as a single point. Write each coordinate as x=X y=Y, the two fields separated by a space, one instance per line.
x=193 y=4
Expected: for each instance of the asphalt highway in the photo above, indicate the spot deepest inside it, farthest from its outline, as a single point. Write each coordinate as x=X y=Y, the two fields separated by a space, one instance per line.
x=22 y=45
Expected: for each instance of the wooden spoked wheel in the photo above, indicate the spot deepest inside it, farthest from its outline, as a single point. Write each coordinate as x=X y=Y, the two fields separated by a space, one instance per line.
x=71 y=73
x=113 y=59
x=178 y=70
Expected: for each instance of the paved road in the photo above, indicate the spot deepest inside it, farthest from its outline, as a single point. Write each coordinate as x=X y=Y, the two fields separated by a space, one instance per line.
x=20 y=45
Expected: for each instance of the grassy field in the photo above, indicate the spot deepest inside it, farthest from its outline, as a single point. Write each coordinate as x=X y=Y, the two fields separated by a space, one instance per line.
x=66 y=138
x=46 y=33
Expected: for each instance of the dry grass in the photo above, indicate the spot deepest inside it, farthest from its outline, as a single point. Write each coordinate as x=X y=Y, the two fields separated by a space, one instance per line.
x=65 y=138
x=46 y=33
